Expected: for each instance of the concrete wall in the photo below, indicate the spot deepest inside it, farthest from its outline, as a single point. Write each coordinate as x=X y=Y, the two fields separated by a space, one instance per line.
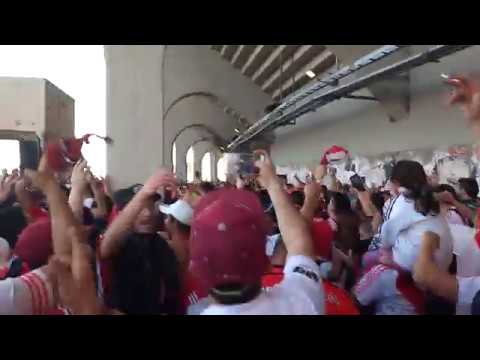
x=134 y=112
x=35 y=105
x=59 y=111
x=198 y=85
x=155 y=92
x=363 y=126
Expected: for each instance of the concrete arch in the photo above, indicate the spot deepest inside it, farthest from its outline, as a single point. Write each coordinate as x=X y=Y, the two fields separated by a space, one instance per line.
x=202 y=147
x=198 y=113
x=186 y=138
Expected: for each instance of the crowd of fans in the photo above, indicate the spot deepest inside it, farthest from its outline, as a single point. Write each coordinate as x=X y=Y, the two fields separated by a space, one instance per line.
x=71 y=245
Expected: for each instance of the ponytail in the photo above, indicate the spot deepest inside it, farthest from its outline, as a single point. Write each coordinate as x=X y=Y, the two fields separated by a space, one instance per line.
x=425 y=201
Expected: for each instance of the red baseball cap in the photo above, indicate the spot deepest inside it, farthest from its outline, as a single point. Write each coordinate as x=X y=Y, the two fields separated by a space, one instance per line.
x=34 y=244
x=228 y=237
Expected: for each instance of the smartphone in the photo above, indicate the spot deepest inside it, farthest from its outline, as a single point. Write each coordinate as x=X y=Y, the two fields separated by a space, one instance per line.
x=245 y=164
x=451 y=80
x=358 y=182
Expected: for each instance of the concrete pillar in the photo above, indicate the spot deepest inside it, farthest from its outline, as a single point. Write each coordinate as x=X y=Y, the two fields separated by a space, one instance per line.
x=181 y=159
x=134 y=112
x=213 y=164
x=197 y=163
x=200 y=149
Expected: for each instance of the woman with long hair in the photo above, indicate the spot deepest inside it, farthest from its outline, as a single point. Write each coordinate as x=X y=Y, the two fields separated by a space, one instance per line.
x=387 y=281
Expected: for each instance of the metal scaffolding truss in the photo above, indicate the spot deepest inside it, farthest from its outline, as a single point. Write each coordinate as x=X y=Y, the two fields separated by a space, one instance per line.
x=313 y=97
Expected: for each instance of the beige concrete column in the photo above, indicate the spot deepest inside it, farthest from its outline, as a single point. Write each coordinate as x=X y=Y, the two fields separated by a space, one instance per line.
x=134 y=112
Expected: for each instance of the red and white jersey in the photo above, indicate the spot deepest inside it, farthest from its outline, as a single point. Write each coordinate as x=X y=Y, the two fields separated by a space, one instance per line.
x=391 y=291
x=193 y=296
x=29 y=294
x=337 y=300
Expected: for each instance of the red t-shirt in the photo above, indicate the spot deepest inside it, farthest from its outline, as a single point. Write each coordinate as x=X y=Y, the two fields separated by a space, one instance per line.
x=36 y=213
x=337 y=300
x=192 y=292
x=322 y=235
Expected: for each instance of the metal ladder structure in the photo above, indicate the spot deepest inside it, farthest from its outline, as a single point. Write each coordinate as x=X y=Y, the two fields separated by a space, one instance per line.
x=315 y=96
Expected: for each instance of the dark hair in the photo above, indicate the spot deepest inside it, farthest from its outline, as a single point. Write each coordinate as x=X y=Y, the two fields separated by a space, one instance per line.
x=145 y=278
x=411 y=175
x=298 y=198
x=231 y=294
x=347 y=235
x=326 y=193
x=470 y=186
x=341 y=202
x=12 y=222
x=378 y=201
x=206 y=187
x=445 y=187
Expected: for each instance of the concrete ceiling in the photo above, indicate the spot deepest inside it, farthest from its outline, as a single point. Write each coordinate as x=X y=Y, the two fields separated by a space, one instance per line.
x=278 y=69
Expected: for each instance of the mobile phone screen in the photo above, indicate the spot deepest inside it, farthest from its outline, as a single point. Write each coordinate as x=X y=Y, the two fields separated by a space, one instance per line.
x=358 y=182
x=245 y=164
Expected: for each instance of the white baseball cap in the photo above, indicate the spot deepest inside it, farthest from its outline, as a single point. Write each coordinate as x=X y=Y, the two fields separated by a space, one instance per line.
x=180 y=210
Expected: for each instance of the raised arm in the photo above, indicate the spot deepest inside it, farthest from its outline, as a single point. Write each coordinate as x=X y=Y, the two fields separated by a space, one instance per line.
x=98 y=189
x=428 y=275
x=23 y=198
x=61 y=214
x=79 y=186
x=312 y=202
x=293 y=227
x=120 y=228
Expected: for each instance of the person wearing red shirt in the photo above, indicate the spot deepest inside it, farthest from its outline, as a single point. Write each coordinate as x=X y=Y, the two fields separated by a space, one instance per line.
x=337 y=300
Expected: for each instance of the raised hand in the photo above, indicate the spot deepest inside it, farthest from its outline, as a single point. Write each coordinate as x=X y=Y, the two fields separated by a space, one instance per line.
x=266 y=170
x=312 y=190
x=43 y=177
x=466 y=94
x=7 y=186
x=79 y=174
x=162 y=178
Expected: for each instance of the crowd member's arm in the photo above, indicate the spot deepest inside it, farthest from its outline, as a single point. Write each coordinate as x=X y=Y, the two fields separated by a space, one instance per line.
x=61 y=215
x=98 y=189
x=122 y=225
x=320 y=172
x=79 y=186
x=428 y=275
x=107 y=183
x=23 y=198
x=7 y=186
x=293 y=227
x=311 y=203
x=74 y=278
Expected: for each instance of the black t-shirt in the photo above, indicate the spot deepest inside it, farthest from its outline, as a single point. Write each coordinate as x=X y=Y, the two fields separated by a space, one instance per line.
x=145 y=277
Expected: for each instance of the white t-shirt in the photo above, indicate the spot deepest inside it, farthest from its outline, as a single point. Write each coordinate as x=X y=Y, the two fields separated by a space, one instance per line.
x=407 y=245
x=29 y=294
x=466 y=249
x=299 y=293
x=468 y=287
x=379 y=286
